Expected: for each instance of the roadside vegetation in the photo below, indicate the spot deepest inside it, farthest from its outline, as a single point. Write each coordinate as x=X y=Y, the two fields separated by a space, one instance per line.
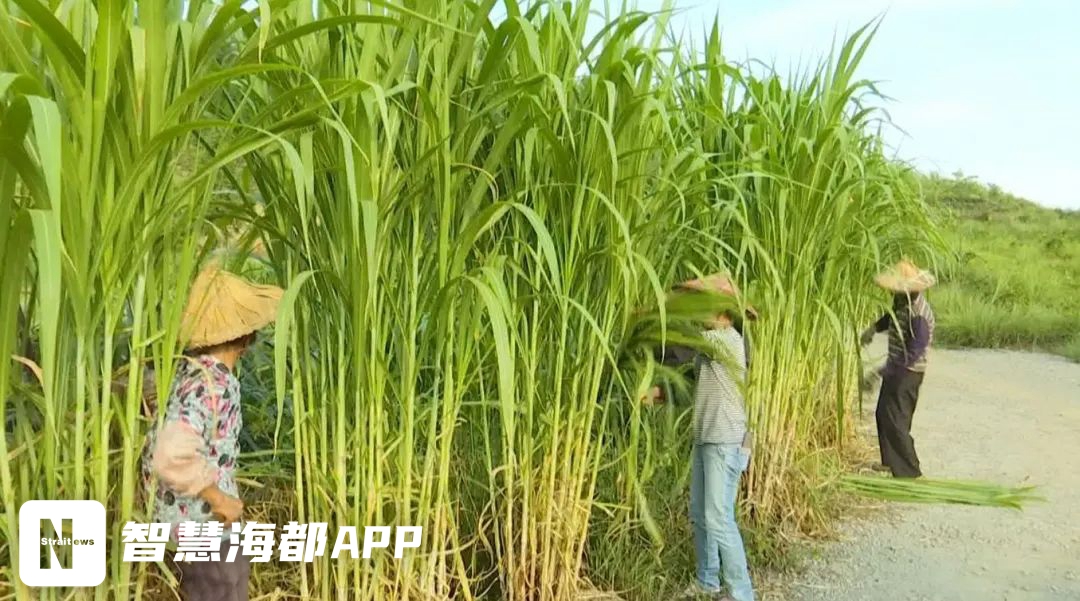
x=1011 y=276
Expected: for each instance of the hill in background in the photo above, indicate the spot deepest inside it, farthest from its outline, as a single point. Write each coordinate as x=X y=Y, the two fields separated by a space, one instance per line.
x=1011 y=275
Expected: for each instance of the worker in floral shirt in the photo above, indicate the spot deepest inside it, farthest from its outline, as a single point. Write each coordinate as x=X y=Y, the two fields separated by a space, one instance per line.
x=191 y=451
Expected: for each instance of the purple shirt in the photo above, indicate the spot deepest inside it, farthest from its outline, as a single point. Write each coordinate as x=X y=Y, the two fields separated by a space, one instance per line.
x=911 y=332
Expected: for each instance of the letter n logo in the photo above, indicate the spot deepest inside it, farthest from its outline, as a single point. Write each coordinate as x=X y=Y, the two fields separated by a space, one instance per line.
x=46 y=553
x=56 y=556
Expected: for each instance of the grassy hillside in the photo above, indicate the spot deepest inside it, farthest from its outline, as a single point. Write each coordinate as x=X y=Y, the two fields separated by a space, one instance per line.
x=1011 y=279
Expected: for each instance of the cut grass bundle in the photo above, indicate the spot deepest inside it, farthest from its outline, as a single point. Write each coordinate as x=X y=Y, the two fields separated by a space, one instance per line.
x=957 y=492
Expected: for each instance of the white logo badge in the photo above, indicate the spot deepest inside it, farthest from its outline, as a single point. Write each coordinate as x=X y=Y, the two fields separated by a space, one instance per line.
x=62 y=543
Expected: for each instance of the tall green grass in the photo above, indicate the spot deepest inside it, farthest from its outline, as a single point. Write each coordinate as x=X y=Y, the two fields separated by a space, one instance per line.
x=815 y=207
x=104 y=222
x=477 y=209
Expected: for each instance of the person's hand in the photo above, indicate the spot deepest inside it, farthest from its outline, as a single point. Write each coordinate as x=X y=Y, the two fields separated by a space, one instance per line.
x=654 y=396
x=709 y=283
x=867 y=337
x=716 y=283
x=226 y=507
x=694 y=284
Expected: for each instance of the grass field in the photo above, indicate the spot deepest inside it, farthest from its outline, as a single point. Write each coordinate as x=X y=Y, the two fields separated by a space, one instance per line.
x=1010 y=278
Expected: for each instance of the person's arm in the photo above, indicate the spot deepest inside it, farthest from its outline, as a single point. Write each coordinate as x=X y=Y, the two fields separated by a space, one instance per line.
x=671 y=355
x=180 y=461
x=918 y=341
x=180 y=455
x=674 y=355
x=881 y=325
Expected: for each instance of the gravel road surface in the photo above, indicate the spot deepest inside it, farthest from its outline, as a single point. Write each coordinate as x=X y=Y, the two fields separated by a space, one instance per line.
x=1000 y=416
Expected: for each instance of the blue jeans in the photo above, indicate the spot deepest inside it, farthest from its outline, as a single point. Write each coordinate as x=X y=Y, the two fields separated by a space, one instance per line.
x=714 y=483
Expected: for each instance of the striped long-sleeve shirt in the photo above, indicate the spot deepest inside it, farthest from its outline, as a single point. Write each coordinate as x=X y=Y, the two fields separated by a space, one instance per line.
x=910 y=334
x=719 y=409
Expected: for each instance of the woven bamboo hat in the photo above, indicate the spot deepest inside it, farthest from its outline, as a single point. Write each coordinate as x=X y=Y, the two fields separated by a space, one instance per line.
x=905 y=276
x=222 y=307
x=718 y=283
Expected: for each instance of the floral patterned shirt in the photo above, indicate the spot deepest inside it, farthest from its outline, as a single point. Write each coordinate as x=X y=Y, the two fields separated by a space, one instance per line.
x=196 y=444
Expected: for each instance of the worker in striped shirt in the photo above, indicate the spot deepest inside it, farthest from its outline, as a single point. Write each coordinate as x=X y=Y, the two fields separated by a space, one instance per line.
x=911 y=330
x=721 y=451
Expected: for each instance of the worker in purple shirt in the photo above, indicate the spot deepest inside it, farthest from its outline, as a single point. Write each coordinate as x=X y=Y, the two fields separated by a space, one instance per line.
x=911 y=330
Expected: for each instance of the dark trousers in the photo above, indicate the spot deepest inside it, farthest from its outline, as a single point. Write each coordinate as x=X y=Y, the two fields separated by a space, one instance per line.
x=215 y=580
x=895 y=408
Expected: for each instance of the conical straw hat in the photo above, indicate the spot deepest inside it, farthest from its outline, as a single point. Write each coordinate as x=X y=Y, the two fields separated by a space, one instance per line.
x=223 y=307
x=718 y=283
x=905 y=277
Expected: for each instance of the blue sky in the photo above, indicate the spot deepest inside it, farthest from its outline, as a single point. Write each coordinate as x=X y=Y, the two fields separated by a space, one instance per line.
x=988 y=87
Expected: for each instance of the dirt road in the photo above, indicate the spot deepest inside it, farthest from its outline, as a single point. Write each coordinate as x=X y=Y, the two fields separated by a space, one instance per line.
x=1007 y=417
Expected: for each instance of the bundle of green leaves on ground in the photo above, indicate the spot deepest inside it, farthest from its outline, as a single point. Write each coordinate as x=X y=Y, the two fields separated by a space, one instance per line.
x=922 y=490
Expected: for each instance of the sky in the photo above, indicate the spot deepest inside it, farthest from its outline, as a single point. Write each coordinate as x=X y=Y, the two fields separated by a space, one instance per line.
x=986 y=87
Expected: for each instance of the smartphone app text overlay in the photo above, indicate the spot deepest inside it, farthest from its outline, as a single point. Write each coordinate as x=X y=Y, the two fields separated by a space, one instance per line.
x=260 y=542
